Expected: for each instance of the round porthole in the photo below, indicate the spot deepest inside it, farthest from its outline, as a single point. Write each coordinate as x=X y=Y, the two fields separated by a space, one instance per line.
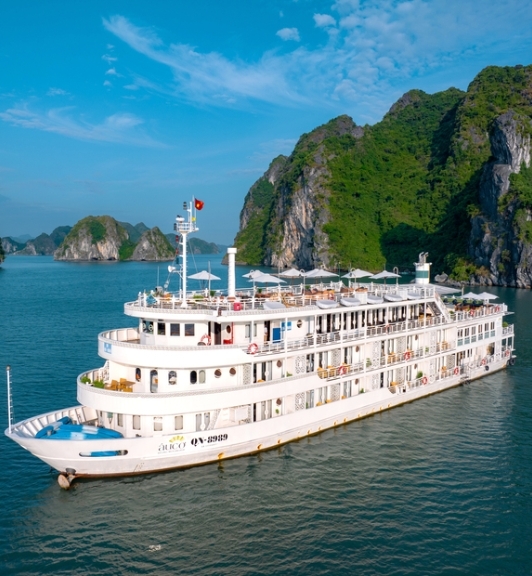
x=228 y=329
x=357 y=349
x=279 y=363
x=356 y=381
x=217 y=372
x=278 y=401
x=299 y=323
x=232 y=371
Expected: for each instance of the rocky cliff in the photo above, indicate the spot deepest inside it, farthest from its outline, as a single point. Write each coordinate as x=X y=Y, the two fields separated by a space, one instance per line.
x=98 y=238
x=448 y=173
x=93 y=238
x=153 y=245
x=500 y=242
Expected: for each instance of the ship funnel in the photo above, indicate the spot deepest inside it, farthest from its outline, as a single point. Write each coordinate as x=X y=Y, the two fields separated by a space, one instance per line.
x=422 y=269
x=231 y=283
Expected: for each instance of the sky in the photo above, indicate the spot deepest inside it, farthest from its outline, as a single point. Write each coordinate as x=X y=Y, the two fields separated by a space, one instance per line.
x=128 y=108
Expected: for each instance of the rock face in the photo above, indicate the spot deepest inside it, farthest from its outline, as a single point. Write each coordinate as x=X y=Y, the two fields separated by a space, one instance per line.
x=498 y=235
x=93 y=238
x=98 y=238
x=153 y=245
x=286 y=210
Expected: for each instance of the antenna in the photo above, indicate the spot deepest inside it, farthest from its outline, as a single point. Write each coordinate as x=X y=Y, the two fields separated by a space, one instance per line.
x=9 y=400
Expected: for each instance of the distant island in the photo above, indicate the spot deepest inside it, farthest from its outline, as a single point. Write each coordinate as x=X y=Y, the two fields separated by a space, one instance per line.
x=99 y=238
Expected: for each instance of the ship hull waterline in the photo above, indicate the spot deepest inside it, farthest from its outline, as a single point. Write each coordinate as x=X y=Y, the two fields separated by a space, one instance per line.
x=171 y=452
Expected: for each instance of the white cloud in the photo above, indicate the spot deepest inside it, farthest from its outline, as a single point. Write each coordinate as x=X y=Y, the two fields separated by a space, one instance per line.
x=376 y=50
x=56 y=92
x=109 y=59
x=208 y=76
x=323 y=20
x=131 y=87
x=111 y=72
x=107 y=84
x=288 y=34
x=117 y=128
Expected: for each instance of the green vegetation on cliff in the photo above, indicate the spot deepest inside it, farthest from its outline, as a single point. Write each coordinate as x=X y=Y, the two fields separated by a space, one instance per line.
x=2 y=254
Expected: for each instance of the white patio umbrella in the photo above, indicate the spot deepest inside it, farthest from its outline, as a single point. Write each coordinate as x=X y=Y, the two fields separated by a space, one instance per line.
x=264 y=278
x=357 y=273
x=253 y=274
x=486 y=296
x=291 y=273
x=471 y=296
x=204 y=275
x=385 y=274
x=319 y=273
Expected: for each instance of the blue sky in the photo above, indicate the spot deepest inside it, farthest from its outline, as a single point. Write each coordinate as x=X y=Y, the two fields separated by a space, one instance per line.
x=127 y=108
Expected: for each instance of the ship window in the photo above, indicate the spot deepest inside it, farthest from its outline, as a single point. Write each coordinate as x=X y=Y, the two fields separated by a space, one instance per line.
x=189 y=329
x=137 y=374
x=147 y=327
x=154 y=381
x=157 y=424
x=232 y=371
x=228 y=329
x=174 y=329
x=178 y=422
x=193 y=377
x=254 y=330
x=172 y=377
x=120 y=419
x=136 y=422
x=218 y=373
x=161 y=328
x=202 y=376
x=248 y=330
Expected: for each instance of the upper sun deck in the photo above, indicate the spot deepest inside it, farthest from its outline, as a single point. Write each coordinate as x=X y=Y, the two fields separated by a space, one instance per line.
x=279 y=301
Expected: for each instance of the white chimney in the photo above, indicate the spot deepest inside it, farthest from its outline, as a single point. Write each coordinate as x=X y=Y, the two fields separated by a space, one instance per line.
x=231 y=284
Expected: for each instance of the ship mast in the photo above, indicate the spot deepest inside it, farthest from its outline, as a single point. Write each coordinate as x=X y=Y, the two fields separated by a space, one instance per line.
x=185 y=226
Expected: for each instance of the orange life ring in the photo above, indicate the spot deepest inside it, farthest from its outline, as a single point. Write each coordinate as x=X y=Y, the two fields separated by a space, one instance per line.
x=483 y=361
x=456 y=371
x=253 y=348
x=424 y=380
x=342 y=370
x=497 y=308
x=331 y=296
x=206 y=339
x=407 y=356
x=507 y=353
x=471 y=313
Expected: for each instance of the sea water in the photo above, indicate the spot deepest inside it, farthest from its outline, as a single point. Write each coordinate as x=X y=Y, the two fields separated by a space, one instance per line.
x=439 y=486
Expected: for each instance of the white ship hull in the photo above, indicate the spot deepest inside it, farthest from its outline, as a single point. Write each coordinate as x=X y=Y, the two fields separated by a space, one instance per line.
x=166 y=452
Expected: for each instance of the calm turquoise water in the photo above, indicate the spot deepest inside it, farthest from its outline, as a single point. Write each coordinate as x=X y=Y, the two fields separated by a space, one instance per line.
x=441 y=486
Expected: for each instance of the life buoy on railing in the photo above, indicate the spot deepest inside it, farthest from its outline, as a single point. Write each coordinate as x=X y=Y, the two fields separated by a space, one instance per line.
x=456 y=371
x=407 y=356
x=253 y=348
x=471 y=313
x=497 y=308
x=342 y=370
x=483 y=362
x=331 y=296
x=507 y=353
x=206 y=339
x=424 y=380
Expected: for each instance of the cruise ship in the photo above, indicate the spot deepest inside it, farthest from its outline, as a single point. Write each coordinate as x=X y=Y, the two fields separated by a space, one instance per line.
x=207 y=376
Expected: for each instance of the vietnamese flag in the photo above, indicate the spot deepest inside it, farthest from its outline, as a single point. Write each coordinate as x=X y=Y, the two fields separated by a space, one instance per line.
x=198 y=204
